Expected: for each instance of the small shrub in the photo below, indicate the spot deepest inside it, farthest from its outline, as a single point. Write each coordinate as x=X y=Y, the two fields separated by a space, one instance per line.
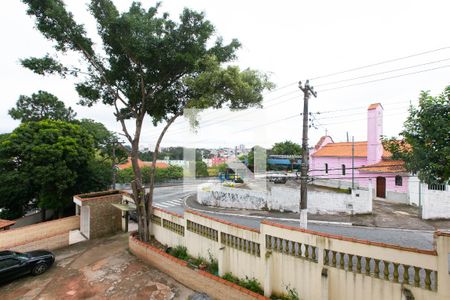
x=249 y=283
x=197 y=261
x=252 y=284
x=213 y=266
x=179 y=252
x=229 y=277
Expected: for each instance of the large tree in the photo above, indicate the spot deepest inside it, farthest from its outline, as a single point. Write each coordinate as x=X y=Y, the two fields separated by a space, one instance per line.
x=150 y=66
x=286 y=148
x=48 y=161
x=41 y=106
x=425 y=142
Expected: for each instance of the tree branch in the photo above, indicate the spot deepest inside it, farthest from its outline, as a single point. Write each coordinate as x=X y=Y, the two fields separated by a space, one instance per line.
x=122 y=122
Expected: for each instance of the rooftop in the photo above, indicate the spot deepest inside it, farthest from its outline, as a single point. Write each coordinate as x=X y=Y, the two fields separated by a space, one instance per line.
x=385 y=166
x=160 y=165
x=6 y=223
x=345 y=150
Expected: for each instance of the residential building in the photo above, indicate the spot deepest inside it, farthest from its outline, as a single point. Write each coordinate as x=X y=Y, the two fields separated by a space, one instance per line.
x=126 y=165
x=330 y=161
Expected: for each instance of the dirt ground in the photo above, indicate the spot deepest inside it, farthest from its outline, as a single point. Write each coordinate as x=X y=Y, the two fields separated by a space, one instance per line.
x=99 y=269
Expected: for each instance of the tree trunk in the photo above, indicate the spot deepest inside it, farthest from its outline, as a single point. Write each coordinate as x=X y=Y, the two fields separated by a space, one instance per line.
x=136 y=185
x=149 y=197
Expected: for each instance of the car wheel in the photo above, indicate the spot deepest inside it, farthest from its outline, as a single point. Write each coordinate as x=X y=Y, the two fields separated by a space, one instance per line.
x=39 y=269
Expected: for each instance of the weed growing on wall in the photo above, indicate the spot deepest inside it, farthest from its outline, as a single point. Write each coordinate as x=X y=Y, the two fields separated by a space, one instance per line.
x=291 y=294
x=249 y=283
x=179 y=252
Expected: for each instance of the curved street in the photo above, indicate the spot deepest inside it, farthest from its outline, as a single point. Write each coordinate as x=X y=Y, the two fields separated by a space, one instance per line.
x=174 y=198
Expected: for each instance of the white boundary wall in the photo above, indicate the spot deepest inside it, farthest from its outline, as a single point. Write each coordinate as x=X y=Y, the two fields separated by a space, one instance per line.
x=285 y=199
x=316 y=265
x=435 y=204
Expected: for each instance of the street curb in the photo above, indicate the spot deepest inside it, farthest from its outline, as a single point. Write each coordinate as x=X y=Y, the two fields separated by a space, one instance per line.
x=263 y=217
x=344 y=224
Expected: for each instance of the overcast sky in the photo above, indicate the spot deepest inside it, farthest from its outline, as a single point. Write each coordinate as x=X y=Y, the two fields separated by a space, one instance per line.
x=291 y=41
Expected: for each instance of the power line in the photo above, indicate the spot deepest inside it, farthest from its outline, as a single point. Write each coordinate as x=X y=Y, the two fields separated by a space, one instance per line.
x=355 y=168
x=360 y=177
x=360 y=119
x=384 y=72
x=382 y=79
x=211 y=121
x=379 y=63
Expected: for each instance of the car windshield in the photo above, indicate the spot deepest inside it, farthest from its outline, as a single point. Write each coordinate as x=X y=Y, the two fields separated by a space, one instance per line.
x=21 y=255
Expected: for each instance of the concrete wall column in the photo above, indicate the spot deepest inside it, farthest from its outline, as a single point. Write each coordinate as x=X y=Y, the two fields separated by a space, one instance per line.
x=370 y=195
x=442 y=241
x=222 y=257
x=268 y=269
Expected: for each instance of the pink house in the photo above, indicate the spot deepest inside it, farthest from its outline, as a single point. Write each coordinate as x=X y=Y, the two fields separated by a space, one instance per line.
x=218 y=160
x=333 y=161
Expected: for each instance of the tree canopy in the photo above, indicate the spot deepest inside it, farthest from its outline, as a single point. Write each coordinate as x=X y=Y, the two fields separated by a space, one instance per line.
x=425 y=142
x=40 y=106
x=104 y=140
x=48 y=161
x=286 y=148
x=150 y=66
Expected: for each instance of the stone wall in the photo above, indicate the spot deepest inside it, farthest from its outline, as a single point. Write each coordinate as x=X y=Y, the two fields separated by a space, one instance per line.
x=46 y=235
x=285 y=199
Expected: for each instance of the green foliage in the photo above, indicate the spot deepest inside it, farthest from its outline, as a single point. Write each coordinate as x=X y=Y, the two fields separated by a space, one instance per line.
x=179 y=252
x=49 y=161
x=215 y=170
x=44 y=65
x=146 y=156
x=251 y=284
x=41 y=106
x=213 y=265
x=286 y=148
x=172 y=172
x=201 y=169
x=104 y=140
x=150 y=65
x=426 y=139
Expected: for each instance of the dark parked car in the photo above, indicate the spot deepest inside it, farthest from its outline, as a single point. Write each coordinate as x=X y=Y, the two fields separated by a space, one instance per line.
x=15 y=264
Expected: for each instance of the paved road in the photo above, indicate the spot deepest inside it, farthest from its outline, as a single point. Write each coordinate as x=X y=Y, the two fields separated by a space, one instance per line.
x=170 y=198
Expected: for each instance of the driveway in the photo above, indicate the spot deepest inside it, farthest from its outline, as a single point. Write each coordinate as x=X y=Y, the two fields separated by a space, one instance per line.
x=99 y=269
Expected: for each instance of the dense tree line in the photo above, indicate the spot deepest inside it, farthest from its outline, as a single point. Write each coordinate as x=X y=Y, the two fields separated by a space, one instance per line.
x=52 y=156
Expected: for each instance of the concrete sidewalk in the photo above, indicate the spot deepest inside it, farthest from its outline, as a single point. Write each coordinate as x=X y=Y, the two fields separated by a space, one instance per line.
x=385 y=215
x=97 y=269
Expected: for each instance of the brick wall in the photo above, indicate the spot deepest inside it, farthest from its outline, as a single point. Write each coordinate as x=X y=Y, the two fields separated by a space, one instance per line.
x=105 y=219
x=46 y=235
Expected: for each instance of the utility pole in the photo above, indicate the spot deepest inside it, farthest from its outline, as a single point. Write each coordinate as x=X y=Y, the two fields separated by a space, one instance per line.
x=307 y=91
x=353 y=162
x=114 y=165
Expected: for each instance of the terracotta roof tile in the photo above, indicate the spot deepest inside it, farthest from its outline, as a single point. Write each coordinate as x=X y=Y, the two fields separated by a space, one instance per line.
x=385 y=166
x=160 y=165
x=345 y=150
x=374 y=106
x=6 y=223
